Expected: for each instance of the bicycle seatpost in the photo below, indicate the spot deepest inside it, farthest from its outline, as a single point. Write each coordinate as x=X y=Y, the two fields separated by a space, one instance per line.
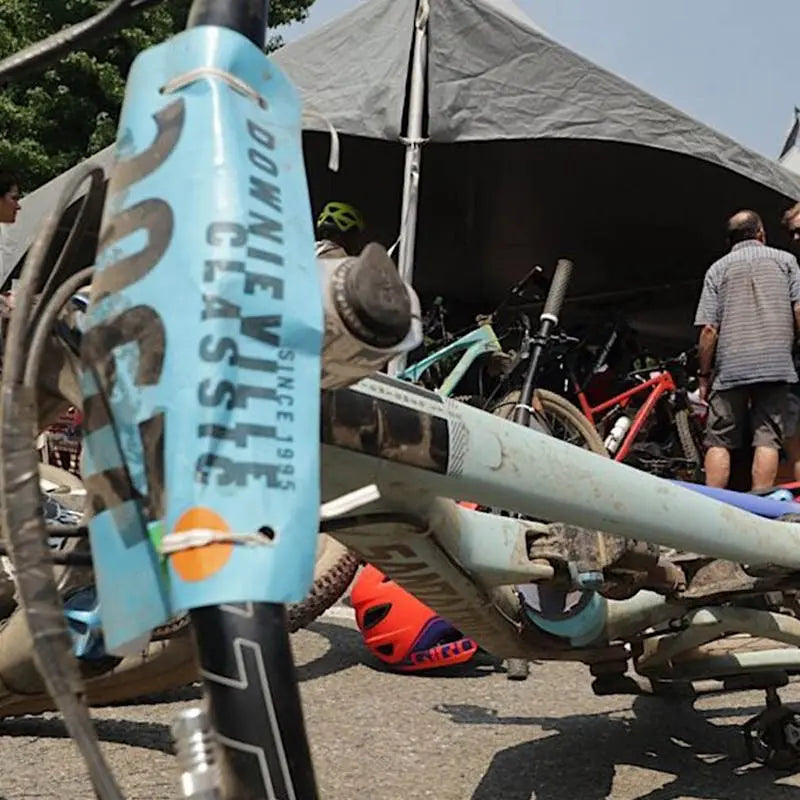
x=547 y=321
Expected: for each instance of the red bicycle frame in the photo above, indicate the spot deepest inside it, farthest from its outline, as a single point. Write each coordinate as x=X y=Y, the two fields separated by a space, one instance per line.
x=657 y=386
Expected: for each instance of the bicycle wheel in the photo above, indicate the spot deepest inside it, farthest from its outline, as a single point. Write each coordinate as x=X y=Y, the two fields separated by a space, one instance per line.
x=334 y=570
x=564 y=421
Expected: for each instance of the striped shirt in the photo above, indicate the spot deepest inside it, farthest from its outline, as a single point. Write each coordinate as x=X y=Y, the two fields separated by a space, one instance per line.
x=749 y=296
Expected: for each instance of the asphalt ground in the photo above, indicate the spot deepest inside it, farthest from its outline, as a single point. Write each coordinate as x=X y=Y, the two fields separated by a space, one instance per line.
x=469 y=734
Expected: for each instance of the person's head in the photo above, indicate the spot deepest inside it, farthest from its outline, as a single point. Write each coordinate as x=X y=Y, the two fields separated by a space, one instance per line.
x=342 y=224
x=791 y=219
x=744 y=226
x=9 y=197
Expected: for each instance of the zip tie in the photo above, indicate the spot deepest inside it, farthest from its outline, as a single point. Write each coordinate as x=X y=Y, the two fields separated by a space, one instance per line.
x=202 y=537
x=404 y=224
x=333 y=158
x=349 y=502
x=237 y=84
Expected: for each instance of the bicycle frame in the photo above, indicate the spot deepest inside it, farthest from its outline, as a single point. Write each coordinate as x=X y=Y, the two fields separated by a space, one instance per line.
x=421 y=450
x=657 y=387
x=474 y=344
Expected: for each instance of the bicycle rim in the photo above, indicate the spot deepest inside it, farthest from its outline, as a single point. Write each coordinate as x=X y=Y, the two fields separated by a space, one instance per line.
x=562 y=419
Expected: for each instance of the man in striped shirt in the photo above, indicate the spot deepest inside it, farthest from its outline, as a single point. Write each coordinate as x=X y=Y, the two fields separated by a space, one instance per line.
x=748 y=312
x=791 y=420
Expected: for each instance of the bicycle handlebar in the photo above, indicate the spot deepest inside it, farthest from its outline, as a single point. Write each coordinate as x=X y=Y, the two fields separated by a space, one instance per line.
x=248 y=18
x=558 y=290
x=534 y=275
x=522 y=284
x=560 y=337
x=662 y=366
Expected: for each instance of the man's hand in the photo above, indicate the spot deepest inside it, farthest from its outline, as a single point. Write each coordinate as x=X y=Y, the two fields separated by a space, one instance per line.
x=705 y=351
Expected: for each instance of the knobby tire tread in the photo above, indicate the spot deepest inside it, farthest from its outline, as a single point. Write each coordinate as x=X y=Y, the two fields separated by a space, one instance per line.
x=691 y=452
x=327 y=588
x=558 y=406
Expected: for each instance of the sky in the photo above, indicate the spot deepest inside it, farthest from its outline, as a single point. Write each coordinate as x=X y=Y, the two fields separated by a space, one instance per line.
x=732 y=64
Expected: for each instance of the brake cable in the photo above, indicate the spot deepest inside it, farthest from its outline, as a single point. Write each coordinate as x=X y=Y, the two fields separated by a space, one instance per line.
x=24 y=528
x=45 y=52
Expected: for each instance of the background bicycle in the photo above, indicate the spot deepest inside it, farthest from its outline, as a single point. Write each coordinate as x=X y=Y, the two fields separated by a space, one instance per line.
x=646 y=411
x=487 y=366
x=641 y=407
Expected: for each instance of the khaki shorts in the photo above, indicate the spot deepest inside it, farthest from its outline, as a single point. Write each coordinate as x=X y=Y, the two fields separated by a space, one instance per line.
x=757 y=407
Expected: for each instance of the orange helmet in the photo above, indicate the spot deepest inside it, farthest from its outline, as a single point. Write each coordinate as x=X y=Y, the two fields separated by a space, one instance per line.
x=400 y=630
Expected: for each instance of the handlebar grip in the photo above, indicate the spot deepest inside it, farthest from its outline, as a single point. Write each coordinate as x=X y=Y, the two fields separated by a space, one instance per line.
x=558 y=289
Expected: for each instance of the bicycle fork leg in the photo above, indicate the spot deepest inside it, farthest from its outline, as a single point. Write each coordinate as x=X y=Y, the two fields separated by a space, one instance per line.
x=250 y=682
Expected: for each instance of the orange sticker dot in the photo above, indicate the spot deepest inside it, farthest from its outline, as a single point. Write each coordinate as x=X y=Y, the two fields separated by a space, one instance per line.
x=200 y=563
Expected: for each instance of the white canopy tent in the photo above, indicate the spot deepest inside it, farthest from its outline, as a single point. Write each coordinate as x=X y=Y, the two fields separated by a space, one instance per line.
x=790 y=153
x=515 y=150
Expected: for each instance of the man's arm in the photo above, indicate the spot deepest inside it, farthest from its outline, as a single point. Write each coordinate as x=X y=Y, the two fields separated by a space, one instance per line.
x=707 y=319
x=706 y=349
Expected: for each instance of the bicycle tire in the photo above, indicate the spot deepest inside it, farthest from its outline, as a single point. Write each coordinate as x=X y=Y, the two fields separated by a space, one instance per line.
x=334 y=570
x=691 y=452
x=553 y=405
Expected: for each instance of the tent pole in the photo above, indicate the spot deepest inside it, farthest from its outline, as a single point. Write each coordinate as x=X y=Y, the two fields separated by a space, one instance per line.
x=413 y=141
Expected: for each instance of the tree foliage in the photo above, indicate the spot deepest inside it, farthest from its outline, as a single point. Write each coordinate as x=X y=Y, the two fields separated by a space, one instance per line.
x=54 y=120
